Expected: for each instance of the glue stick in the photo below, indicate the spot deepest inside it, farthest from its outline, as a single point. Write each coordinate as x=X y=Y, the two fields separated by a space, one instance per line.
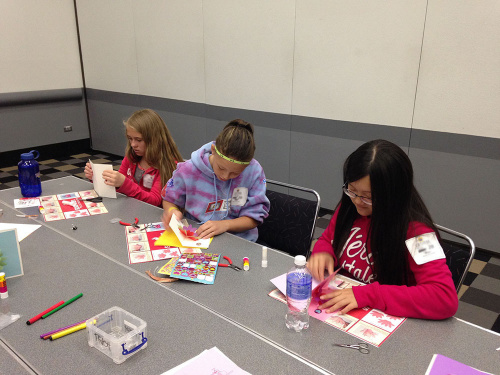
x=264 y=256
x=246 y=264
x=3 y=286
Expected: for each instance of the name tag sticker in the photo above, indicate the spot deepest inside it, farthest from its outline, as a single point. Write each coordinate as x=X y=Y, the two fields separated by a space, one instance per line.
x=425 y=248
x=147 y=181
x=240 y=195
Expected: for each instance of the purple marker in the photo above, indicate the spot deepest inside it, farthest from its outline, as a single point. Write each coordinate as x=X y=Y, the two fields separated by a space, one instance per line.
x=45 y=336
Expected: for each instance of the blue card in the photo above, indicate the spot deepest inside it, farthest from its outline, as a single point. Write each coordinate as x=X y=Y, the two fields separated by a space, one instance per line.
x=10 y=250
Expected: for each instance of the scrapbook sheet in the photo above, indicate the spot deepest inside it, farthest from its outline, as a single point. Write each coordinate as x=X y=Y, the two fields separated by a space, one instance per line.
x=141 y=244
x=368 y=324
x=64 y=206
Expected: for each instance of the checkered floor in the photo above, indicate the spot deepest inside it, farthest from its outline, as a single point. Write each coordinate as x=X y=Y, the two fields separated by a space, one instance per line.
x=479 y=296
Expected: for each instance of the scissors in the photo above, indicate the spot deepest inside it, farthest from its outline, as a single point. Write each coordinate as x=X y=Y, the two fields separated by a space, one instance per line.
x=362 y=347
x=94 y=200
x=129 y=224
x=230 y=265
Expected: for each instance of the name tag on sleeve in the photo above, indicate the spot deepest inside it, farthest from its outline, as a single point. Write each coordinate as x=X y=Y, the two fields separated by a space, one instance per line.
x=425 y=248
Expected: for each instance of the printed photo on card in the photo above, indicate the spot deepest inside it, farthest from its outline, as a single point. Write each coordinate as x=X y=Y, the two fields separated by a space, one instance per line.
x=98 y=210
x=54 y=217
x=140 y=257
x=138 y=246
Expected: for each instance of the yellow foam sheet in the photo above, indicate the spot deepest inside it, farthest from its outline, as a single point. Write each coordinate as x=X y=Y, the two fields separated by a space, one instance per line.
x=169 y=238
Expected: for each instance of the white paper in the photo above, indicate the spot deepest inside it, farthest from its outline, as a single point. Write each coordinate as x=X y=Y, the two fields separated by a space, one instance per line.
x=280 y=283
x=99 y=186
x=209 y=362
x=23 y=230
x=26 y=202
x=186 y=242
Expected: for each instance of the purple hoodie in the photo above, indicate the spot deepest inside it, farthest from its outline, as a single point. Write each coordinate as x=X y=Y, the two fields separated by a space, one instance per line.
x=204 y=197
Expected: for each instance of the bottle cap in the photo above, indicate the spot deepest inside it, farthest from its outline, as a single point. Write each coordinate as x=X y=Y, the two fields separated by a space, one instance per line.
x=264 y=256
x=300 y=260
x=33 y=154
x=4 y=295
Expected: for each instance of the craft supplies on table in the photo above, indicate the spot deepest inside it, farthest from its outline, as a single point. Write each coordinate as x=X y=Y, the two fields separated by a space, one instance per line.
x=117 y=333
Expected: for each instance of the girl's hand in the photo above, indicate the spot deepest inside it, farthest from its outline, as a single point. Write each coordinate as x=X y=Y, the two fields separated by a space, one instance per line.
x=167 y=215
x=318 y=263
x=88 y=171
x=212 y=228
x=113 y=178
x=342 y=300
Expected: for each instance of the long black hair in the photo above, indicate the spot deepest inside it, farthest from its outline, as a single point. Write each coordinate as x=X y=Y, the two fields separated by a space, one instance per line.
x=396 y=203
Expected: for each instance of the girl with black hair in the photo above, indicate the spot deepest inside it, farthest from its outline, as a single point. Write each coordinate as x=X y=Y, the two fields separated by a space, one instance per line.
x=382 y=234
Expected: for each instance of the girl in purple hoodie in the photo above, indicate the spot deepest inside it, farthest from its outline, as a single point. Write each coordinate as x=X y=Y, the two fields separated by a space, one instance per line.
x=222 y=187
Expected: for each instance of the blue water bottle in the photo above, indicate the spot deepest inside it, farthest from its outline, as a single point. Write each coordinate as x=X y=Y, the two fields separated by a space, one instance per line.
x=29 y=174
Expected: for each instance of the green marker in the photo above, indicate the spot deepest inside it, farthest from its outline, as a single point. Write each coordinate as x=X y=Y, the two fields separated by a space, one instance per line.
x=64 y=304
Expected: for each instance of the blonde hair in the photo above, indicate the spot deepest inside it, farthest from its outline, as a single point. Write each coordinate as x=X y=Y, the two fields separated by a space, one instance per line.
x=161 y=150
x=236 y=141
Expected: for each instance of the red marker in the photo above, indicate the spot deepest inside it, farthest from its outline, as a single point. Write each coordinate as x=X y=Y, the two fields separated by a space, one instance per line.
x=35 y=318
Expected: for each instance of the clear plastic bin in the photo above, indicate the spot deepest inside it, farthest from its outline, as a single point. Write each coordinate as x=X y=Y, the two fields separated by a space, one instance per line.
x=117 y=333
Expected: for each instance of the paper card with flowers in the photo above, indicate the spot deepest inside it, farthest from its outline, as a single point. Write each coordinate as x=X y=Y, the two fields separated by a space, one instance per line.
x=186 y=234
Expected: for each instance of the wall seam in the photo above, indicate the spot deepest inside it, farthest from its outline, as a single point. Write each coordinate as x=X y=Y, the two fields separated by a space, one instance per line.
x=418 y=76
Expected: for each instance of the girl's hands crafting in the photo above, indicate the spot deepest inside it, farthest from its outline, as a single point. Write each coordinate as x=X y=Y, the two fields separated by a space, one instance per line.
x=342 y=300
x=320 y=262
x=113 y=178
x=212 y=228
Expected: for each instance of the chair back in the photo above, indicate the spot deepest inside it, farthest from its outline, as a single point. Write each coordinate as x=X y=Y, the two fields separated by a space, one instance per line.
x=458 y=257
x=291 y=221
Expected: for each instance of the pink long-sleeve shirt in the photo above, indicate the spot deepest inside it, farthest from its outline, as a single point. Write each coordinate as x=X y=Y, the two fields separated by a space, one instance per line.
x=430 y=294
x=148 y=189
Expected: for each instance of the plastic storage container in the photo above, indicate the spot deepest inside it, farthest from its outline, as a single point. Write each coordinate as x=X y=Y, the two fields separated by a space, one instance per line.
x=29 y=174
x=117 y=333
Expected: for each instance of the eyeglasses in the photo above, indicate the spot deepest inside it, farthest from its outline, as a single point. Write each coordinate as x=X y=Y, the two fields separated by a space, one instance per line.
x=353 y=195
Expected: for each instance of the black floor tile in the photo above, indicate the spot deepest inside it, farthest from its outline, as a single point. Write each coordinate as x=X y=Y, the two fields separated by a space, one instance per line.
x=496 y=325
x=322 y=223
x=469 y=278
x=482 y=299
x=480 y=255
x=4 y=180
x=491 y=270
x=50 y=170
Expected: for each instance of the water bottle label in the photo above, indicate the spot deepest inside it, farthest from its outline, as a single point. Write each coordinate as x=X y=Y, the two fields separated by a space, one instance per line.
x=298 y=286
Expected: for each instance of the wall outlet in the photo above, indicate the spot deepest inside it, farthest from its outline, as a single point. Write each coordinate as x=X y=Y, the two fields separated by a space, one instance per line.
x=68 y=128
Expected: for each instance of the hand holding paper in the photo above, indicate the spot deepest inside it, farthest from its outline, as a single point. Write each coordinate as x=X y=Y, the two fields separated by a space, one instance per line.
x=99 y=185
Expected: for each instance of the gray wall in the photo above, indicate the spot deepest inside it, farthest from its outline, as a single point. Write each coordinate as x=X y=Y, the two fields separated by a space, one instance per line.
x=316 y=77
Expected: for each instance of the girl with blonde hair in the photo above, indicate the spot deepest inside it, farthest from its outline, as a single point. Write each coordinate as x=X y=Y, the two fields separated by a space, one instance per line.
x=150 y=158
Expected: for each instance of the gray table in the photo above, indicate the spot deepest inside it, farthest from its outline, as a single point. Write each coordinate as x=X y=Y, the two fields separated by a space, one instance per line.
x=241 y=298
x=56 y=268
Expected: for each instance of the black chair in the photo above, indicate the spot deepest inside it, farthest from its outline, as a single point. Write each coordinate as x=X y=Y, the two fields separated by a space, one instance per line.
x=292 y=219
x=458 y=256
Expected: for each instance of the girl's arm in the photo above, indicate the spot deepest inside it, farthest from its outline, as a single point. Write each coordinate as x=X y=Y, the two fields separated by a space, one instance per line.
x=132 y=189
x=323 y=257
x=433 y=297
x=213 y=228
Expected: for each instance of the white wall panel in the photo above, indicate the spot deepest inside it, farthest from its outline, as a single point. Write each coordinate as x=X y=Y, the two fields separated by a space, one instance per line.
x=170 y=55
x=108 y=45
x=459 y=84
x=249 y=53
x=39 y=46
x=357 y=60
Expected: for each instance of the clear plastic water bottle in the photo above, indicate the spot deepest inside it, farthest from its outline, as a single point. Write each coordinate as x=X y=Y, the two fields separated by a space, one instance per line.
x=298 y=295
x=29 y=174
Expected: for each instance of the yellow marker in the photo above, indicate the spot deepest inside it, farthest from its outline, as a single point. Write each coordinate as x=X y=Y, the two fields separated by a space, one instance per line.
x=68 y=331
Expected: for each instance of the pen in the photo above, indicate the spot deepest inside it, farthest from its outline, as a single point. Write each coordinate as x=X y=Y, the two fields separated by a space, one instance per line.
x=35 y=318
x=45 y=336
x=68 y=331
x=64 y=304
